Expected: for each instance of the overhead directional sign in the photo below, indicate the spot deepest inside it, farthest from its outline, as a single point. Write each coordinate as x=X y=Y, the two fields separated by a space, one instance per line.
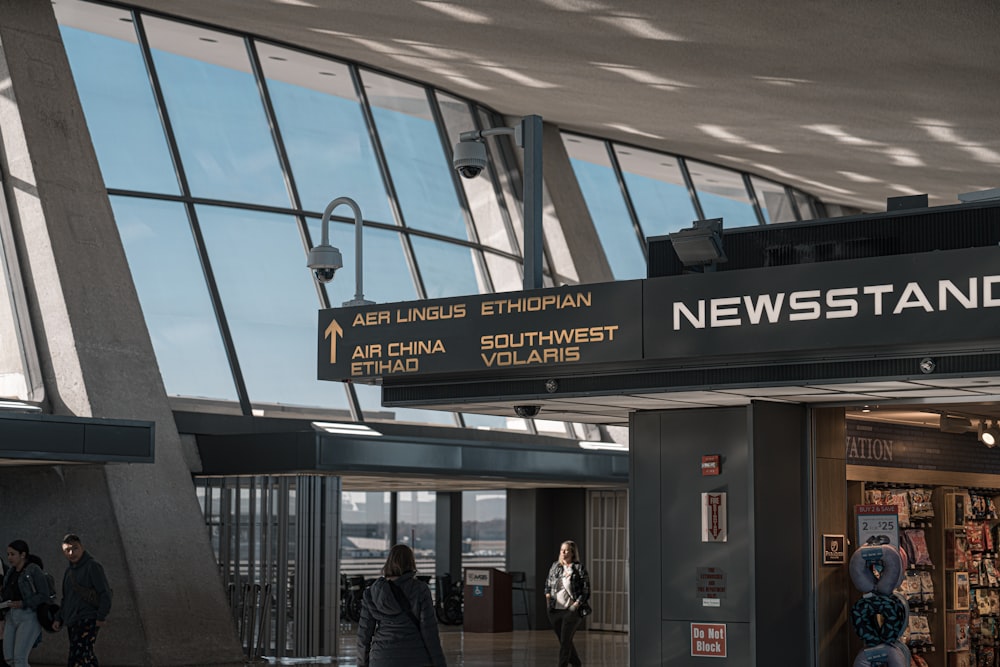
x=565 y=326
x=941 y=298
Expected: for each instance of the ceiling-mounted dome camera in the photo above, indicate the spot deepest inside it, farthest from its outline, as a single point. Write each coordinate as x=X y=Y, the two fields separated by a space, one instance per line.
x=324 y=260
x=527 y=411
x=469 y=158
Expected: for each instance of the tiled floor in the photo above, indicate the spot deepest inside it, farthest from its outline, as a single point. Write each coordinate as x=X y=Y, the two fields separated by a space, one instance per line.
x=521 y=648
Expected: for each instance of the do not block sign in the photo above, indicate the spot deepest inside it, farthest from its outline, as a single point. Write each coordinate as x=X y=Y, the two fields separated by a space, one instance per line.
x=708 y=640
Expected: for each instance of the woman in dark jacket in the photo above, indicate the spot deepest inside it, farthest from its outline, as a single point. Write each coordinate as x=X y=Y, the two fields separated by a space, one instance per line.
x=24 y=588
x=398 y=627
x=567 y=588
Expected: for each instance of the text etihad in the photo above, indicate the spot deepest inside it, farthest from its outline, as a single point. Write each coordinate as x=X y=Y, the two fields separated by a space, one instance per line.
x=837 y=303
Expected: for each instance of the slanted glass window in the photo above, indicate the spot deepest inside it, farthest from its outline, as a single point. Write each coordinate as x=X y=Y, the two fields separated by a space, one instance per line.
x=495 y=422
x=370 y=400
x=270 y=301
x=420 y=169
x=446 y=268
x=324 y=131
x=807 y=209
x=606 y=204
x=386 y=276
x=773 y=200
x=491 y=225
x=216 y=113
x=722 y=195
x=657 y=189
x=175 y=299
x=117 y=99
x=19 y=375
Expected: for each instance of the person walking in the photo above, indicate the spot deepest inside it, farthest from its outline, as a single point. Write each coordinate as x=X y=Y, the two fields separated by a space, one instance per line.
x=24 y=589
x=398 y=627
x=86 y=602
x=567 y=591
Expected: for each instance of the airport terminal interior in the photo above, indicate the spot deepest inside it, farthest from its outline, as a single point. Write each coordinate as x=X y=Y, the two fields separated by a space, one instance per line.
x=167 y=168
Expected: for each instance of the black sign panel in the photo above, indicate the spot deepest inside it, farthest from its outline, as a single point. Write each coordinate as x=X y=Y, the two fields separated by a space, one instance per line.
x=939 y=298
x=563 y=326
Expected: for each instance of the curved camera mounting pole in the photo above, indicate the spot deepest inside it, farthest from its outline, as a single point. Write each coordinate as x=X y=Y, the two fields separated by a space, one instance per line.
x=527 y=135
x=359 y=297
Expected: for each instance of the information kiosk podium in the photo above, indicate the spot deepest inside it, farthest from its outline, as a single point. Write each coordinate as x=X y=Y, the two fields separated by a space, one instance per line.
x=488 y=605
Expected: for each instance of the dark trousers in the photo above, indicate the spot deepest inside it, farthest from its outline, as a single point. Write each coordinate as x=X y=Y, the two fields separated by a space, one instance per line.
x=82 y=636
x=565 y=623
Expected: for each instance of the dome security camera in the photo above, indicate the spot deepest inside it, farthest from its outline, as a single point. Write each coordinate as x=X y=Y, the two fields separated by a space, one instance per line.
x=324 y=260
x=527 y=411
x=469 y=158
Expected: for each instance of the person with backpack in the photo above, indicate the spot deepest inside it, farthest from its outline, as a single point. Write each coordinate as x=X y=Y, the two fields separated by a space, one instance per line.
x=24 y=590
x=398 y=627
x=86 y=602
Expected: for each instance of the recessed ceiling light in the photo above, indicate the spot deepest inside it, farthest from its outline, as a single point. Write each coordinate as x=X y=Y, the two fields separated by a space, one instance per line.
x=607 y=446
x=341 y=428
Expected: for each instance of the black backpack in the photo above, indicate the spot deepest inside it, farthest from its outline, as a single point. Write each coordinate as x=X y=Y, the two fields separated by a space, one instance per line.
x=47 y=610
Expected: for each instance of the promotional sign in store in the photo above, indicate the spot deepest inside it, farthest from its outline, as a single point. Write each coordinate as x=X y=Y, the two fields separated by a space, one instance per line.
x=877 y=524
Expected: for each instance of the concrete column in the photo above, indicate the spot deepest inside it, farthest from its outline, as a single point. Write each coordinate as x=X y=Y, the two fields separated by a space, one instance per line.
x=762 y=565
x=142 y=521
x=448 y=534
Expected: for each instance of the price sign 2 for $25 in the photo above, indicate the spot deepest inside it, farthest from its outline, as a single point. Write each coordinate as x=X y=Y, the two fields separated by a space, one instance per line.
x=877 y=524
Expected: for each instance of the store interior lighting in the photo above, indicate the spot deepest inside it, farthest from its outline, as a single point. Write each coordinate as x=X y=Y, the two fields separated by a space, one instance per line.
x=989 y=435
x=949 y=424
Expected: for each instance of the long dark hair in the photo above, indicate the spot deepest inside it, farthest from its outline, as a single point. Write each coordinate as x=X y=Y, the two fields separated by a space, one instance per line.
x=21 y=547
x=399 y=562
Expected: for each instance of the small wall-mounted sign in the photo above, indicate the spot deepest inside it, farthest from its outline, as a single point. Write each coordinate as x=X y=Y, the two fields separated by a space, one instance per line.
x=711 y=464
x=711 y=582
x=834 y=550
x=714 y=525
x=708 y=639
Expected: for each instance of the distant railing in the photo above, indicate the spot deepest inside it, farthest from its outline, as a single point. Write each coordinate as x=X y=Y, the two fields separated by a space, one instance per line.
x=370 y=568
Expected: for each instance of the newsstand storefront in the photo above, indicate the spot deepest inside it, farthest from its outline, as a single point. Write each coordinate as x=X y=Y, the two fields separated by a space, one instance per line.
x=743 y=379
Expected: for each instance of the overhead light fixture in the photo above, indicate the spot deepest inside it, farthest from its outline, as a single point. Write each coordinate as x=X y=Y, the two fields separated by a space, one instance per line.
x=341 y=428
x=989 y=435
x=949 y=424
x=607 y=446
x=701 y=245
x=17 y=406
